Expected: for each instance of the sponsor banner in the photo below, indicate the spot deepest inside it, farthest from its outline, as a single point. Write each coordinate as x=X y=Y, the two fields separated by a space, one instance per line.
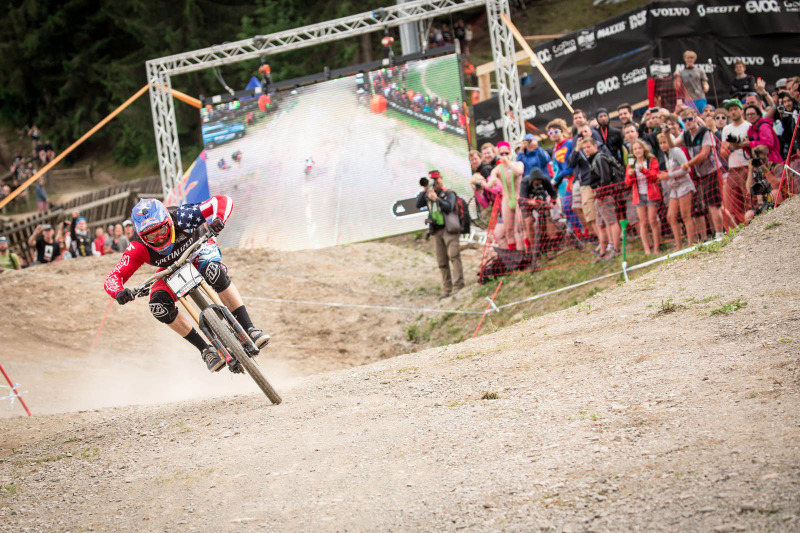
x=723 y=18
x=622 y=80
x=769 y=58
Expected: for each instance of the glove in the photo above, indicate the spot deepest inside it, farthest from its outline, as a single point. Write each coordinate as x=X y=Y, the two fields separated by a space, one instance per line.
x=124 y=296
x=216 y=225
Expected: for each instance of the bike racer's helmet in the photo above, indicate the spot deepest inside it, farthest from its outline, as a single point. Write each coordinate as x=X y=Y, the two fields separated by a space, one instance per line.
x=154 y=225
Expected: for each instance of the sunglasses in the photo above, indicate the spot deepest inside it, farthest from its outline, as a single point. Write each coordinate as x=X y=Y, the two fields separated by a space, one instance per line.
x=553 y=132
x=721 y=117
x=504 y=153
x=689 y=119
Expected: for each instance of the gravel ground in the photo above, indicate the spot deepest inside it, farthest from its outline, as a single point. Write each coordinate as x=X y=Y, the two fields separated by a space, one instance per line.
x=666 y=404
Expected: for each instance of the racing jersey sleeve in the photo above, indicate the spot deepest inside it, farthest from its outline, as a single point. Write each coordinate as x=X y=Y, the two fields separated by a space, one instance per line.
x=134 y=256
x=191 y=216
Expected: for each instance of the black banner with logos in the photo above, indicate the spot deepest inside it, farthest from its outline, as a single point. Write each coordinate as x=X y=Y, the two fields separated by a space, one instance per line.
x=607 y=64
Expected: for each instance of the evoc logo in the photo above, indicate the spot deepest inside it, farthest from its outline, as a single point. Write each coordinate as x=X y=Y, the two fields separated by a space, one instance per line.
x=637 y=19
x=544 y=56
x=670 y=12
x=607 y=85
x=762 y=6
x=745 y=60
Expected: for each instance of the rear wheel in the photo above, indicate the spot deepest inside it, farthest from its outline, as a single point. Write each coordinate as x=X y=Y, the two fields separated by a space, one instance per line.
x=225 y=334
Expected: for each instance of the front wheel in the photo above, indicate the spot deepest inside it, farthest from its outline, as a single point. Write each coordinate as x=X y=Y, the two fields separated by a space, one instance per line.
x=225 y=334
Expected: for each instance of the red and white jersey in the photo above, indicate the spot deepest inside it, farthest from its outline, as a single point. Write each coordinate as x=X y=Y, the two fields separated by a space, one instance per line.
x=188 y=220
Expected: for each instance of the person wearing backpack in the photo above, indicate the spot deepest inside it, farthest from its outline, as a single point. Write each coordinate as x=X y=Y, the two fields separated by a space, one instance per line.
x=8 y=260
x=441 y=202
x=604 y=178
x=761 y=133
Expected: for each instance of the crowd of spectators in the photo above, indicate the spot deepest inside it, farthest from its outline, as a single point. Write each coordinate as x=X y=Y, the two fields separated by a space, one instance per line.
x=691 y=170
x=24 y=166
x=444 y=35
x=392 y=84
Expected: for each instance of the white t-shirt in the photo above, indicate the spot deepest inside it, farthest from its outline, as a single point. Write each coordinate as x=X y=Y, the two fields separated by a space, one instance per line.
x=737 y=158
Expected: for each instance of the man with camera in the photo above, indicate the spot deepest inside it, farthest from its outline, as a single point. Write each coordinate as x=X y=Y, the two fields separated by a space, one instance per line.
x=536 y=198
x=763 y=182
x=734 y=134
x=441 y=202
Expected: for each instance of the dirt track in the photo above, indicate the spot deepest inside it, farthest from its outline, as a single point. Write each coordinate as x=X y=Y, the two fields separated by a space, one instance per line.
x=612 y=416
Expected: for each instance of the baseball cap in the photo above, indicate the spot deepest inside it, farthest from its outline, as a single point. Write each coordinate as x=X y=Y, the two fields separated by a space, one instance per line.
x=46 y=227
x=528 y=137
x=127 y=223
x=4 y=239
x=733 y=102
x=780 y=83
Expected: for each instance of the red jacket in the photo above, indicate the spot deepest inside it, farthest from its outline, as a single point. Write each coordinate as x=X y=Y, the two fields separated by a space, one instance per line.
x=653 y=190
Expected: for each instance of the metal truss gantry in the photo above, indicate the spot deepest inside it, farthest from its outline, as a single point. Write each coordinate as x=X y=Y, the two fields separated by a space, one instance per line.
x=159 y=71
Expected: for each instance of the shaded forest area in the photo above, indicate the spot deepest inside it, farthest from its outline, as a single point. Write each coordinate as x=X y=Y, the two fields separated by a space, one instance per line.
x=66 y=65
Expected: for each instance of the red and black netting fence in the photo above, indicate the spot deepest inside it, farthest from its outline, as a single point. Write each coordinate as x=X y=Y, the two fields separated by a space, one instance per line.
x=664 y=208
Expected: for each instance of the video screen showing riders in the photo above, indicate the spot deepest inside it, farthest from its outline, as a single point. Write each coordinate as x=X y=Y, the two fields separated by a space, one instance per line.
x=324 y=164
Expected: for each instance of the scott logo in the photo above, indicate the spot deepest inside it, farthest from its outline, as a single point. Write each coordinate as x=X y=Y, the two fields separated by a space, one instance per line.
x=746 y=60
x=637 y=19
x=715 y=10
x=778 y=60
x=671 y=12
x=762 y=6
x=607 y=85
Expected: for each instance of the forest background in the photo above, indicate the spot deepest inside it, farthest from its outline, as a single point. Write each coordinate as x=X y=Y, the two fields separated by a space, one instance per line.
x=64 y=65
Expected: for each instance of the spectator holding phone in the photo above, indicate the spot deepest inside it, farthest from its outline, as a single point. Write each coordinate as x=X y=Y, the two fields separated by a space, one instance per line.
x=642 y=178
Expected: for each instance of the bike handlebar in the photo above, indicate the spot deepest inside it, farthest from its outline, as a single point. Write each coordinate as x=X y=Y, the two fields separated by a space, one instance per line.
x=144 y=287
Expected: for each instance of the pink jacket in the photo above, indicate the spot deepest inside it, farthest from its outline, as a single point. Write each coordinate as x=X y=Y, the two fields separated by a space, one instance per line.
x=653 y=190
x=762 y=133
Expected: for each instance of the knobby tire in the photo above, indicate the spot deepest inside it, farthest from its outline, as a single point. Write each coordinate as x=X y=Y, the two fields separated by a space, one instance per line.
x=225 y=334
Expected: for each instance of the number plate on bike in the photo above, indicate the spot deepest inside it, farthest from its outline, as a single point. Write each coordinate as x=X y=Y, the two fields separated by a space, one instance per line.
x=185 y=279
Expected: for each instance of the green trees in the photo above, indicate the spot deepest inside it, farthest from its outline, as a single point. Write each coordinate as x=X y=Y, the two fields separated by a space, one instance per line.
x=64 y=65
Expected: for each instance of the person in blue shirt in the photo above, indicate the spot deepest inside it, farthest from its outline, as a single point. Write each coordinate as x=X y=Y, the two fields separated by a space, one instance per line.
x=532 y=155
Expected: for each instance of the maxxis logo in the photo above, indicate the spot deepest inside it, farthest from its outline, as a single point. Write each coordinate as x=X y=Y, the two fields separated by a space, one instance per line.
x=671 y=12
x=607 y=85
x=762 y=6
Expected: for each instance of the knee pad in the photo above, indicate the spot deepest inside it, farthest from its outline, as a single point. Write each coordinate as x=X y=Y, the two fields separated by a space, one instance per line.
x=216 y=274
x=163 y=307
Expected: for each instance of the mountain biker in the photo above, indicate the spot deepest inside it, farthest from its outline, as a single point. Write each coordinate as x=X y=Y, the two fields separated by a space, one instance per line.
x=162 y=235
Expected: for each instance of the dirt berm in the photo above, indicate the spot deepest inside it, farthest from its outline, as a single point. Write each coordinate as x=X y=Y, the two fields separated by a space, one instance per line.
x=667 y=404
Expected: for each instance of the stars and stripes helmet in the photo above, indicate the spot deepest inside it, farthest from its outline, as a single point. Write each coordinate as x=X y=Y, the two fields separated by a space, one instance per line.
x=154 y=225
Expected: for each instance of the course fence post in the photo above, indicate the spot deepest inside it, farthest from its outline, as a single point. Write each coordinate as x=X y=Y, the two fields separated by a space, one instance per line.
x=13 y=390
x=624 y=225
x=491 y=304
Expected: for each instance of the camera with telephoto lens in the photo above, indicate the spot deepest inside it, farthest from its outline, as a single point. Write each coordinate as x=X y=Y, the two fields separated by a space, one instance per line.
x=761 y=186
x=537 y=191
x=735 y=139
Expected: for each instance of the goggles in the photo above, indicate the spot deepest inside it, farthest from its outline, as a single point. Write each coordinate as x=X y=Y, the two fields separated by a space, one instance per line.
x=159 y=236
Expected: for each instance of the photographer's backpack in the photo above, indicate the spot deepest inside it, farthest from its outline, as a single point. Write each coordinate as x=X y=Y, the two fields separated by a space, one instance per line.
x=462 y=210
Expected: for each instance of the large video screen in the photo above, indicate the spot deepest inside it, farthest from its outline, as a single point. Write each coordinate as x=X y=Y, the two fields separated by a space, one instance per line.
x=339 y=161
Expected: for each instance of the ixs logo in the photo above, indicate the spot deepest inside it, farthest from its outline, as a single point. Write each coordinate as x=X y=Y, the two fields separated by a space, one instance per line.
x=637 y=20
x=611 y=30
x=778 y=60
x=564 y=48
x=607 y=85
x=757 y=60
x=634 y=76
x=716 y=10
x=762 y=6
x=586 y=40
x=671 y=12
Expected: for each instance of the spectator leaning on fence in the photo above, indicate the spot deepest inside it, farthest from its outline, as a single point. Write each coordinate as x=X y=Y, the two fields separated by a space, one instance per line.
x=642 y=178
x=81 y=240
x=733 y=136
x=680 y=188
x=8 y=259
x=603 y=186
x=761 y=133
